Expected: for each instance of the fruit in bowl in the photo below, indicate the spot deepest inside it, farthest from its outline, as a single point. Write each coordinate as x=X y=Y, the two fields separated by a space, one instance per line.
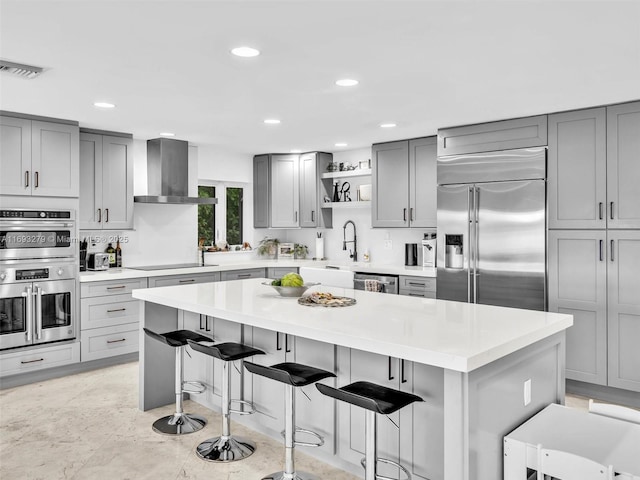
x=290 y=285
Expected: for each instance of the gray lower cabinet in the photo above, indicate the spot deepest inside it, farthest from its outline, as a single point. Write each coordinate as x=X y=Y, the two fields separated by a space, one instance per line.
x=40 y=358
x=404 y=183
x=577 y=169
x=578 y=286
x=593 y=275
x=417 y=286
x=624 y=309
x=279 y=272
x=106 y=187
x=242 y=274
x=261 y=200
x=284 y=191
x=109 y=320
x=185 y=279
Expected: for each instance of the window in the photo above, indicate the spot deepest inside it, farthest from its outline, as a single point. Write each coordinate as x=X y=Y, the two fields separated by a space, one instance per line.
x=224 y=220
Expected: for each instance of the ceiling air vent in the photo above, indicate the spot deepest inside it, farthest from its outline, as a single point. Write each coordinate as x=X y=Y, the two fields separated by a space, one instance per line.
x=25 y=71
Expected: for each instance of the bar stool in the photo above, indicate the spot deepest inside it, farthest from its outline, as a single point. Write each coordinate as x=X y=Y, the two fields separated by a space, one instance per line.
x=292 y=375
x=374 y=399
x=179 y=423
x=227 y=448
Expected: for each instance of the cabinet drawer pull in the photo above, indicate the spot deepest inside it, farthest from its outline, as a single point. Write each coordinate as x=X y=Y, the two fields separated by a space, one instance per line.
x=391 y=377
x=116 y=341
x=417 y=284
x=116 y=310
x=612 y=244
x=601 y=250
x=31 y=361
x=412 y=294
x=244 y=275
x=600 y=209
x=26 y=178
x=116 y=288
x=611 y=209
x=106 y=212
x=190 y=280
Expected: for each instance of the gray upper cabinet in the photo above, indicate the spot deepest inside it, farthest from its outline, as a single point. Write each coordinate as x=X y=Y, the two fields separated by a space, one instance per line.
x=261 y=204
x=390 y=184
x=577 y=172
x=285 y=191
x=623 y=165
x=106 y=170
x=423 y=182
x=39 y=158
x=624 y=308
x=404 y=183
x=313 y=190
x=578 y=287
x=493 y=136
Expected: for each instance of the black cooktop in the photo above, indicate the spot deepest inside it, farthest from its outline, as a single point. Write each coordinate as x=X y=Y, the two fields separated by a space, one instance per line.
x=165 y=267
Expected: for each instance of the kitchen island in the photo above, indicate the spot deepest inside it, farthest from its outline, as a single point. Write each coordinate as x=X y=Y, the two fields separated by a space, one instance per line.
x=473 y=365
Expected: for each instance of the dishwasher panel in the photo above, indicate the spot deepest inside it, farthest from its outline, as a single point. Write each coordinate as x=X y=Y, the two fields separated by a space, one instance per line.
x=388 y=283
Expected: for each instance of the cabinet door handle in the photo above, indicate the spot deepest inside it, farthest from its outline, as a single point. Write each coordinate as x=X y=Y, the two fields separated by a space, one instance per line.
x=31 y=361
x=391 y=377
x=286 y=343
x=611 y=248
x=36 y=180
x=99 y=215
x=296 y=216
x=411 y=214
x=106 y=211
x=116 y=341
x=278 y=347
x=601 y=250
x=206 y=324
x=116 y=310
x=402 y=379
x=600 y=209
x=404 y=214
x=26 y=178
x=190 y=280
x=611 y=210
x=201 y=327
x=313 y=219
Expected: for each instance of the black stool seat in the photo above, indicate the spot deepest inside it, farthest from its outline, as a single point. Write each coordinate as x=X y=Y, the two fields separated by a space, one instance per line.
x=294 y=374
x=227 y=352
x=177 y=338
x=373 y=397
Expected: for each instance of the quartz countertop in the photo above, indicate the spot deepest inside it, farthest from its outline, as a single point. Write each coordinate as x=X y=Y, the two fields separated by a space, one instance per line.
x=125 y=273
x=451 y=335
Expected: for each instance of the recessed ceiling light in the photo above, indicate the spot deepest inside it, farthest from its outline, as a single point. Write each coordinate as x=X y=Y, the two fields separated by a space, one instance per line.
x=104 y=105
x=167 y=134
x=245 y=52
x=346 y=82
x=272 y=121
x=341 y=144
x=295 y=150
x=387 y=125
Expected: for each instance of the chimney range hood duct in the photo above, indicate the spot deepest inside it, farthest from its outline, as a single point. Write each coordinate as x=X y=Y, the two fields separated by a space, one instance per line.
x=168 y=174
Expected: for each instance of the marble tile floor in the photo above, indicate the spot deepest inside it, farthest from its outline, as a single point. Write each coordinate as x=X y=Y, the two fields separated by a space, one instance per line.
x=87 y=426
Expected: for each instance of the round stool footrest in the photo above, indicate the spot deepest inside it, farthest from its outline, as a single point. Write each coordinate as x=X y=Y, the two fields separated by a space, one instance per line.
x=388 y=462
x=243 y=412
x=307 y=444
x=193 y=387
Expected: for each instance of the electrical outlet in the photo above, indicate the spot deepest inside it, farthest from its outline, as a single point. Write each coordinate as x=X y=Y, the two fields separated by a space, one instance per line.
x=527 y=392
x=388 y=244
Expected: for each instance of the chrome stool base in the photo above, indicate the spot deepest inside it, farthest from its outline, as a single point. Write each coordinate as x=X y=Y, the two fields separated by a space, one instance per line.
x=288 y=476
x=225 y=449
x=179 y=424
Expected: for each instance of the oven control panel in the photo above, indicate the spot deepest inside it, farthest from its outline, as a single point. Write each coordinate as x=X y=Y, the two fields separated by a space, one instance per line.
x=35 y=274
x=36 y=214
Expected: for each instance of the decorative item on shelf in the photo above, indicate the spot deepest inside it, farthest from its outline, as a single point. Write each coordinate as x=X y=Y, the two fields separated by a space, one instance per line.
x=365 y=164
x=269 y=247
x=246 y=246
x=332 y=167
x=285 y=250
x=336 y=193
x=327 y=199
x=344 y=192
x=364 y=193
x=341 y=166
x=300 y=251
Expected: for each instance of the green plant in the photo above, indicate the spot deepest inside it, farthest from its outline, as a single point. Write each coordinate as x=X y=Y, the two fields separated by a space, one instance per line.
x=300 y=250
x=268 y=246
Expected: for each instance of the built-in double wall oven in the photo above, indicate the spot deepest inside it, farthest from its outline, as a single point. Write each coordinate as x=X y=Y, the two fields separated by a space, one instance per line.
x=38 y=270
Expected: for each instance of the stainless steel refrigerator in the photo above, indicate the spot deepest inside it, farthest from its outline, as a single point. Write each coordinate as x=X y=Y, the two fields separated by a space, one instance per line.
x=491 y=228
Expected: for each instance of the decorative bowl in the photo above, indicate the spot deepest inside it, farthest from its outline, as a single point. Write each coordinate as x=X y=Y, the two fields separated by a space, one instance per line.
x=291 y=291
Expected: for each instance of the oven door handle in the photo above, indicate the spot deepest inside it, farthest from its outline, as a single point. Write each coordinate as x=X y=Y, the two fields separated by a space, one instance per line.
x=19 y=225
x=28 y=293
x=38 y=295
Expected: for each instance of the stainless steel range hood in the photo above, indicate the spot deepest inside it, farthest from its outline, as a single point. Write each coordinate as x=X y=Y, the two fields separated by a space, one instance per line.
x=168 y=174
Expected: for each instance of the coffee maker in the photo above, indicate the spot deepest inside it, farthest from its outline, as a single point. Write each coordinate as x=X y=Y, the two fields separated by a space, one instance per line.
x=429 y=250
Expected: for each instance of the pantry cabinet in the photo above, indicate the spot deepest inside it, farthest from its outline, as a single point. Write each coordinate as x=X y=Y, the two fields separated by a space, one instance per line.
x=404 y=183
x=38 y=158
x=106 y=173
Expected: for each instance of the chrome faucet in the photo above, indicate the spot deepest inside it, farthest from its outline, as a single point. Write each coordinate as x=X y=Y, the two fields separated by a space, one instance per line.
x=353 y=254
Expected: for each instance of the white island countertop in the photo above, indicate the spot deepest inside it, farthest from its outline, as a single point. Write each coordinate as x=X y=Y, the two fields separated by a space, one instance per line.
x=451 y=335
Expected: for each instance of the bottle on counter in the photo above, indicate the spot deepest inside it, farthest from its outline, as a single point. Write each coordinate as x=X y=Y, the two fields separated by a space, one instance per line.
x=112 y=255
x=118 y=254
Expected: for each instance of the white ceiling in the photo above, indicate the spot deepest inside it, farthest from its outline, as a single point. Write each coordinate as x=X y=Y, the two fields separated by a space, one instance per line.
x=421 y=64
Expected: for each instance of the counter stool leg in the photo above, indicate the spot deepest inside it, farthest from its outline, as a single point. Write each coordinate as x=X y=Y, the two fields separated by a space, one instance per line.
x=179 y=423
x=370 y=441
x=225 y=448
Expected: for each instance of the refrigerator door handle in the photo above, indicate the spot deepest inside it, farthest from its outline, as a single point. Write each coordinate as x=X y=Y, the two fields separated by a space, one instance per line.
x=469 y=250
x=476 y=250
